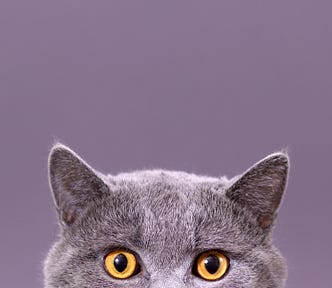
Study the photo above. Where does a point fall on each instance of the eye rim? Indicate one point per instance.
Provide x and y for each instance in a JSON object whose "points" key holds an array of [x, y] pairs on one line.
{"points": [[133, 272], [204, 254]]}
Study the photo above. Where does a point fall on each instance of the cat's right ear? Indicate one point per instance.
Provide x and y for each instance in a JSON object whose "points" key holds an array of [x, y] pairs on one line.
{"points": [[73, 182], [261, 187]]}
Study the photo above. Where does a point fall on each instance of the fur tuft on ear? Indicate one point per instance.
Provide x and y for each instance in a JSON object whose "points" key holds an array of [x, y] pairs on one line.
{"points": [[260, 188], [73, 182]]}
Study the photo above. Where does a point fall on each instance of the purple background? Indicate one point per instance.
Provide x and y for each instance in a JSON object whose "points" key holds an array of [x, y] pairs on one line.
{"points": [[204, 86]]}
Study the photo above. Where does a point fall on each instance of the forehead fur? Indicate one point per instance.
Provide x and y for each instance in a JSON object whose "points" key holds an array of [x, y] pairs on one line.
{"points": [[160, 210]]}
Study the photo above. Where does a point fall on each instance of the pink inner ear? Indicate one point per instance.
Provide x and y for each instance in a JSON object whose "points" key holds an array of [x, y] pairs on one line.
{"points": [[68, 216], [68, 209], [265, 221]]}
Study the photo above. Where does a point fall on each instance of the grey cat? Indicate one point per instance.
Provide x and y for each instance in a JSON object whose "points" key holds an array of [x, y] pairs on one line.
{"points": [[161, 229]]}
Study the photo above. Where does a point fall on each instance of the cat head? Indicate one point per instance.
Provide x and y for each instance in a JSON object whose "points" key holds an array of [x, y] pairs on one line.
{"points": [[159, 228]]}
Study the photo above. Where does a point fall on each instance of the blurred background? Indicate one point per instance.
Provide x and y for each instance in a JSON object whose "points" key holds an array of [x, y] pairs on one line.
{"points": [[209, 87]]}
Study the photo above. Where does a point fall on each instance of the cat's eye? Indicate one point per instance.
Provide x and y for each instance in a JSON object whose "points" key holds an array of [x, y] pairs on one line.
{"points": [[121, 264], [211, 265]]}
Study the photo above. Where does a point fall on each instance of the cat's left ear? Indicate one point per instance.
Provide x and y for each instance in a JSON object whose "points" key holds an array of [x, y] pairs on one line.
{"points": [[74, 183], [260, 188]]}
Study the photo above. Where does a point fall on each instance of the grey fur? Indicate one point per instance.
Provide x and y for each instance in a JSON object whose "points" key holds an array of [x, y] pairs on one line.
{"points": [[167, 218]]}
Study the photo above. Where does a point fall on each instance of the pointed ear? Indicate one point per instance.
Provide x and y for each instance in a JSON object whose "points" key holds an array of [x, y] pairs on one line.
{"points": [[73, 183], [260, 188]]}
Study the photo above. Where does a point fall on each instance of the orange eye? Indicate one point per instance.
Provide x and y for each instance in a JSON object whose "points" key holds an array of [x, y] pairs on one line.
{"points": [[211, 265], [121, 264]]}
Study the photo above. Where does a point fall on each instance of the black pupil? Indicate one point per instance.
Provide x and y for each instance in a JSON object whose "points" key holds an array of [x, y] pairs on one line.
{"points": [[212, 264], [120, 262]]}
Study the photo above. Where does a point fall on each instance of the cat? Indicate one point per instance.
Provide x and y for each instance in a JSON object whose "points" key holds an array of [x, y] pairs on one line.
{"points": [[158, 228]]}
